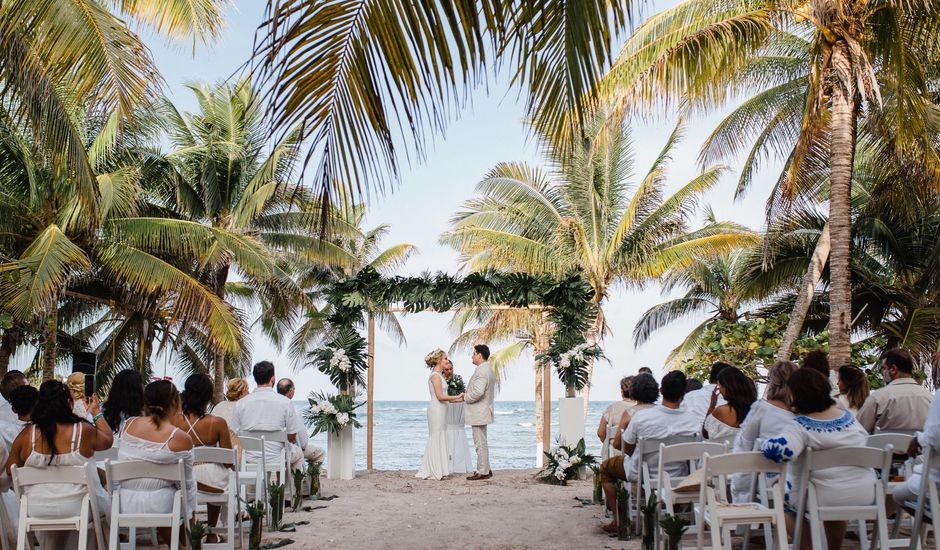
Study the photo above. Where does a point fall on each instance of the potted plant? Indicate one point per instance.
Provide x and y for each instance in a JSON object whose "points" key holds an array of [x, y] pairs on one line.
{"points": [[313, 471], [256, 513], [648, 526], [196, 532], [276, 500], [674, 527], [623, 513], [298, 500], [598, 487]]}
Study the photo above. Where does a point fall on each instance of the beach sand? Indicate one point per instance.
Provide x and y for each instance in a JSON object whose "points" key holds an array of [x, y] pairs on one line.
{"points": [[394, 510]]}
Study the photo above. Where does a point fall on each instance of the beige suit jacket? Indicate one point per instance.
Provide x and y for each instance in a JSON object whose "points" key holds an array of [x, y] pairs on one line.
{"points": [[479, 396]]}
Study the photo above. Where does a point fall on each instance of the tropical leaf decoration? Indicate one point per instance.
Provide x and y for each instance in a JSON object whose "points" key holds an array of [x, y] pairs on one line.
{"points": [[332, 413], [343, 359], [572, 364]]}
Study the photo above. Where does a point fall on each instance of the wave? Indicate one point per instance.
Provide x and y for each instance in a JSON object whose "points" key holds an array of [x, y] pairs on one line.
{"points": [[524, 424], [504, 413]]}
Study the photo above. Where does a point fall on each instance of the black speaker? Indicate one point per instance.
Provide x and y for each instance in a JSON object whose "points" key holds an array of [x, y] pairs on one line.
{"points": [[85, 362]]}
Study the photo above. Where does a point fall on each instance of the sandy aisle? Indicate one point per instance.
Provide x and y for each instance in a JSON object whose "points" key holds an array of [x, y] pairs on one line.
{"points": [[395, 510]]}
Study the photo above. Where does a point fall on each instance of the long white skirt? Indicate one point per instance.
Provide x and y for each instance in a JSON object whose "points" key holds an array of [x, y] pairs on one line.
{"points": [[460, 461]]}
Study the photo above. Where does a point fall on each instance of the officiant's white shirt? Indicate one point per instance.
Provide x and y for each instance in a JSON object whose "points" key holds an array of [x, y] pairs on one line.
{"points": [[265, 409]]}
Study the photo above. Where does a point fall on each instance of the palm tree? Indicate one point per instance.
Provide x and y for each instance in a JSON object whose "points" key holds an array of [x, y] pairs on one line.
{"points": [[872, 55], [716, 286], [232, 207], [356, 73], [582, 217], [361, 249]]}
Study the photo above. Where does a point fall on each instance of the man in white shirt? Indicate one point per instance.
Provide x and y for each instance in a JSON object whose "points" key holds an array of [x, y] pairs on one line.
{"points": [[10, 381], [664, 420], [286, 387], [697, 401], [901, 405], [928, 437], [265, 409], [22, 401]]}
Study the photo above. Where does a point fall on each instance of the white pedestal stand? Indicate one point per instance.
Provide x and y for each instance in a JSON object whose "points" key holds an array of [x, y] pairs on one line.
{"points": [[340, 455], [570, 420]]}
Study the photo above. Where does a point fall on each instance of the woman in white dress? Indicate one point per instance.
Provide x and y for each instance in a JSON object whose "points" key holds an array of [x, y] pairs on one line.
{"points": [[764, 420], [154, 438], [820, 424], [853, 388], [723, 422], [57, 437], [125, 400], [436, 457]]}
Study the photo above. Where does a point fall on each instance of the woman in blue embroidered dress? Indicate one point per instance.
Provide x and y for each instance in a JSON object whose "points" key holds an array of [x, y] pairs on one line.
{"points": [[820, 424]]}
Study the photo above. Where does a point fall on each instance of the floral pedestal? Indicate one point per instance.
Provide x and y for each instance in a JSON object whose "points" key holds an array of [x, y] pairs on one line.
{"points": [[570, 420], [340, 455]]}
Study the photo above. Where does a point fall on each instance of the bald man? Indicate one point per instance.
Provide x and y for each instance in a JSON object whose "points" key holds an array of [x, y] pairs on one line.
{"points": [[303, 449]]}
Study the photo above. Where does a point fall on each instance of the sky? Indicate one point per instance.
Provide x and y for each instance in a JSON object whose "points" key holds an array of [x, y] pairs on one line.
{"points": [[429, 193]]}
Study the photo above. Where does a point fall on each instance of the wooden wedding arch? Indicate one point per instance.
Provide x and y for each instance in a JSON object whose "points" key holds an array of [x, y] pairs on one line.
{"points": [[565, 302]]}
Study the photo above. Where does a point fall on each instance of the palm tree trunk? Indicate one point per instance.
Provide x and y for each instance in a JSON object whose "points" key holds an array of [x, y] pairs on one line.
{"points": [[50, 333], [540, 345], [805, 294], [218, 362], [592, 337], [841, 160], [8, 345]]}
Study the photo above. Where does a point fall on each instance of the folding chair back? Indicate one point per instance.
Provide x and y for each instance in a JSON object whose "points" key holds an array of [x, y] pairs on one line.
{"points": [[27, 476], [690, 453], [226, 499], [273, 463], [899, 441], [646, 451], [119, 472], [718, 514], [928, 502], [107, 454]]}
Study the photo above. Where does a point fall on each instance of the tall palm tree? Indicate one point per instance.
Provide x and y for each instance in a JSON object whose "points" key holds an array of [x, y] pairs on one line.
{"points": [[356, 74], [582, 216], [715, 286], [861, 55]]}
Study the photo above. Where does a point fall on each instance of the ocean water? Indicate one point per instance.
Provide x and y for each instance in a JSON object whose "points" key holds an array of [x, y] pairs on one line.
{"points": [[401, 432]]}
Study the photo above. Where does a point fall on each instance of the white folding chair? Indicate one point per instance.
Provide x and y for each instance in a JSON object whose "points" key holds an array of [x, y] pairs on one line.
{"points": [[119, 472], [810, 508], [107, 454], [608, 441], [226, 499], [648, 451], [719, 514], [76, 475], [278, 463], [685, 453], [928, 503]]}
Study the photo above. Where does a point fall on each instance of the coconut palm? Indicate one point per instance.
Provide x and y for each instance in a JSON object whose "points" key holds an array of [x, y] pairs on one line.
{"points": [[362, 248], [862, 55], [715, 286], [582, 216], [357, 74]]}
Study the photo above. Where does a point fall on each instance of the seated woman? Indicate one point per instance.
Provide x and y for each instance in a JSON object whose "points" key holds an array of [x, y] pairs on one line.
{"points": [[645, 391], [820, 424], [763, 421], [853, 388], [614, 413], [739, 392], [154, 438], [57, 437], [206, 430], [125, 400]]}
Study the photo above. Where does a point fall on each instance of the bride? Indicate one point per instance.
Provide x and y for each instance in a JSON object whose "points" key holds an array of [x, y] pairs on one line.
{"points": [[435, 453]]}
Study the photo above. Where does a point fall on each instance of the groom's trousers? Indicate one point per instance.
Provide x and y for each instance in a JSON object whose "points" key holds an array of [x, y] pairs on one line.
{"points": [[483, 450]]}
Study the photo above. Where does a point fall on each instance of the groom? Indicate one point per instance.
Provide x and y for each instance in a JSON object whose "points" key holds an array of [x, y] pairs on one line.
{"points": [[479, 408]]}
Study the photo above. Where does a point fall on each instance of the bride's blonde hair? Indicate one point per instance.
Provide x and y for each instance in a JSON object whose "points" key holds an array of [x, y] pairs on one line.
{"points": [[433, 358]]}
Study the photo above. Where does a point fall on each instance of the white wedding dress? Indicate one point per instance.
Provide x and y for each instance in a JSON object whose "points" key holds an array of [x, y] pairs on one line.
{"points": [[436, 458]]}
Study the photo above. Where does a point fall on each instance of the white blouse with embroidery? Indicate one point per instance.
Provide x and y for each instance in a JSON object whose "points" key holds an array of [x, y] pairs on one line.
{"points": [[840, 486]]}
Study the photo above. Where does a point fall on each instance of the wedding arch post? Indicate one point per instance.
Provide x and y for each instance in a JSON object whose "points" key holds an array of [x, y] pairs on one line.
{"points": [[370, 392]]}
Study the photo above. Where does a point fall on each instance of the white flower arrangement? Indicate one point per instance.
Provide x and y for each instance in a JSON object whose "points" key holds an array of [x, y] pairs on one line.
{"points": [[339, 359], [342, 418], [564, 463], [332, 413]]}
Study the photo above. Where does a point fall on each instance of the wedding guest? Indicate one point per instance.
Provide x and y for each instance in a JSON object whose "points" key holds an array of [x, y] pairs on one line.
{"points": [[901, 405], [739, 393], [286, 387], [817, 360], [22, 401], [237, 388], [645, 370], [154, 438], [853, 388], [692, 385], [265, 410], [57, 437], [614, 412], [929, 436], [76, 385], [206, 430], [697, 401], [125, 398], [820, 424], [645, 391], [764, 420], [664, 420], [10, 381]]}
